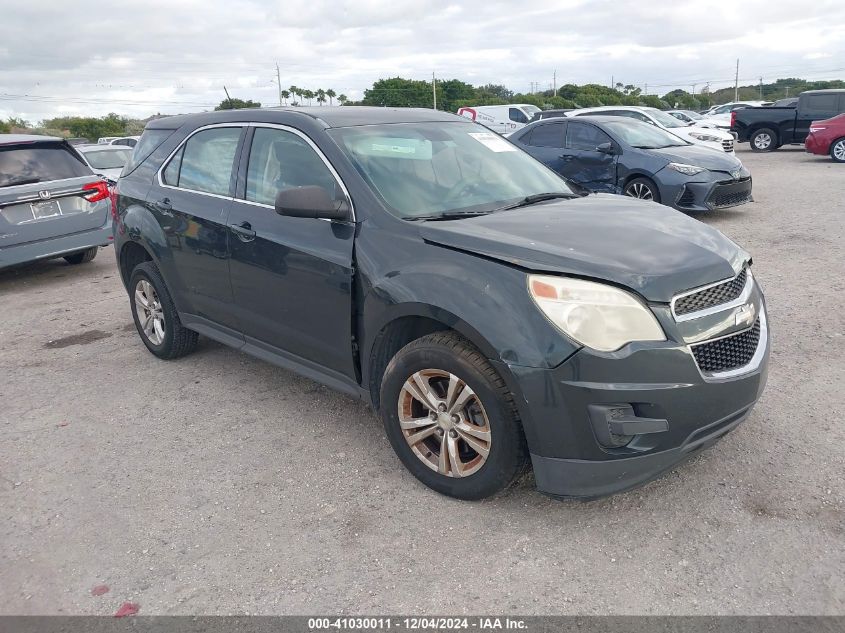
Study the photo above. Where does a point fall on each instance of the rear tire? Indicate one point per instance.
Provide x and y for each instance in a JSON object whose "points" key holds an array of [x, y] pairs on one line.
{"points": [[155, 315], [764, 140], [478, 413], [82, 258], [643, 189], [837, 150]]}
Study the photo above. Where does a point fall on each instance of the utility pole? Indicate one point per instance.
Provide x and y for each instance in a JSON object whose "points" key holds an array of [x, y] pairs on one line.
{"points": [[554, 82], [646, 90], [279, 81], [613, 82], [736, 82], [761, 88], [787, 91], [434, 89], [227, 93]]}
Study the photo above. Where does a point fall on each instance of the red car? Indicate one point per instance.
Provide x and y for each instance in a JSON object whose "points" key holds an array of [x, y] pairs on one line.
{"points": [[828, 137]]}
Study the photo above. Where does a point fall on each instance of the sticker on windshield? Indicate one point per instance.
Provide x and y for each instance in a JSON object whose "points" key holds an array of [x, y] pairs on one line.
{"points": [[493, 141]]}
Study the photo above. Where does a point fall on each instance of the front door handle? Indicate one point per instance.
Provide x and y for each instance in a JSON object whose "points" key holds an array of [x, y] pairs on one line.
{"points": [[243, 231], [566, 156]]}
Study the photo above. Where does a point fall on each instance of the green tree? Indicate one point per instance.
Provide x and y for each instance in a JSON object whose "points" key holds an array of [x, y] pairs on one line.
{"points": [[307, 94], [5, 128], [451, 91], [237, 104], [331, 94], [90, 128], [397, 92], [342, 99], [321, 96], [285, 96]]}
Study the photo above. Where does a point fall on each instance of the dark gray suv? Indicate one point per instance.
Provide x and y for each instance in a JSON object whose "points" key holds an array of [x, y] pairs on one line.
{"points": [[491, 315]]}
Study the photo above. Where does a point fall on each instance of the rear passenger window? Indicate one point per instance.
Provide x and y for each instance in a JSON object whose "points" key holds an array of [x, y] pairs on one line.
{"points": [[821, 104], [585, 137], [550, 135], [205, 162], [283, 160]]}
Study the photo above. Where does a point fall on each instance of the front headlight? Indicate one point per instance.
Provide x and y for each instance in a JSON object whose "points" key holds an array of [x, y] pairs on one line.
{"points": [[689, 170], [707, 138], [596, 315]]}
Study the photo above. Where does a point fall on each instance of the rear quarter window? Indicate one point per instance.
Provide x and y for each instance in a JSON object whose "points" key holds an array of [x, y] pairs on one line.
{"points": [[149, 142], [39, 162]]}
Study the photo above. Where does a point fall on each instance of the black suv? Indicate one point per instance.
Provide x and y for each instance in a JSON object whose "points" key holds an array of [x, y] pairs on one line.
{"points": [[411, 258]]}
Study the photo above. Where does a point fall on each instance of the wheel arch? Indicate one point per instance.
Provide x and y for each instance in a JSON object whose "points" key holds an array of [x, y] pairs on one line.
{"points": [[407, 323]]}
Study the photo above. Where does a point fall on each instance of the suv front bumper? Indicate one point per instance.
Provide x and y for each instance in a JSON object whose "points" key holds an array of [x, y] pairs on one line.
{"points": [[656, 382]]}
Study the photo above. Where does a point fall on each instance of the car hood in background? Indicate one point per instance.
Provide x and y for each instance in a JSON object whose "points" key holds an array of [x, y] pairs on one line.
{"points": [[647, 247], [699, 156], [712, 131]]}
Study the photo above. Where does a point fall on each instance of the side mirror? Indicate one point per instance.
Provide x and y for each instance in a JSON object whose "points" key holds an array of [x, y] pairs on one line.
{"points": [[310, 202], [606, 148]]}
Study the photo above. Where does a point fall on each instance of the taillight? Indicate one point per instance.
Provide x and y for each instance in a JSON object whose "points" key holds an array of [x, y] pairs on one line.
{"points": [[113, 197], [99, 191], [733, 118]]}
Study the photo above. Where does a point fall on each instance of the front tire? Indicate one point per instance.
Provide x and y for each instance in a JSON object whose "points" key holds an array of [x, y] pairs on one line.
{"points": [[82, 258], [155, 315], [642, 188], [764, 140], [837, 150], [451, 419]]}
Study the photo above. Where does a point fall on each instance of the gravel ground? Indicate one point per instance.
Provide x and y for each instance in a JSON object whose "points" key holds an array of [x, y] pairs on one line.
{"points": [[219, 484]]}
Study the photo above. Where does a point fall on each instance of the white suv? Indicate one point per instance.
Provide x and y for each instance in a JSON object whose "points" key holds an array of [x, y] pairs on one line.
{"points": [[705, 136]]}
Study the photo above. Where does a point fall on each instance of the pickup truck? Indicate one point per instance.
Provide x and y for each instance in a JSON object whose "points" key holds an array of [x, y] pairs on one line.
{"points": [[769, 127]]}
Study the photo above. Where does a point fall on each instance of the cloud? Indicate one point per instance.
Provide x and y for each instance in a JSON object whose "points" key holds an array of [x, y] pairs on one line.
{"points": [[172, 56]]}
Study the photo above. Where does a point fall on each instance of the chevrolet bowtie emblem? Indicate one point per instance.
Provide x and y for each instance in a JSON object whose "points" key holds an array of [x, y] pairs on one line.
{"points": [[746, 314]]}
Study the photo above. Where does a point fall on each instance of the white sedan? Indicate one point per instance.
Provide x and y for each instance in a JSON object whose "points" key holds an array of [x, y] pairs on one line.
{"points": [[106, 160], [713, 138]]}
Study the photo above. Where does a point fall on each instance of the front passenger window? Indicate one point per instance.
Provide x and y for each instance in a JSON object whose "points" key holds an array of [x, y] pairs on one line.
{"points": [[279, 160], [517, 115]]}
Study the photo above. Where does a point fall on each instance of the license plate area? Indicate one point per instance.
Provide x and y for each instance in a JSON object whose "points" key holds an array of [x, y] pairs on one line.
{"points": [[46, 209]]}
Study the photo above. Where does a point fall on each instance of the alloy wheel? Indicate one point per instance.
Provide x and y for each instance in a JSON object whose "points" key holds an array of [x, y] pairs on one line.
{"points": [[762, 141], [639, 190], [149, 311], [839, 150], [444, 423]]}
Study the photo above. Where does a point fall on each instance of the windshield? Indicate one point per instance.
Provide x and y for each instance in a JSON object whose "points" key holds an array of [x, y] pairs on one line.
{"points": [[693, 115], [111, 159], [663, 118], [643, 135], [425, 169], [531, 109]]}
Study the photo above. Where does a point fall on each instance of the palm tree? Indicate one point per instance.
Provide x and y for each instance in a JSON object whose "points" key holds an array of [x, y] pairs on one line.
{"points": [[308, 94], [331, 94], [342, 99], [321, 96], [285, 95]]}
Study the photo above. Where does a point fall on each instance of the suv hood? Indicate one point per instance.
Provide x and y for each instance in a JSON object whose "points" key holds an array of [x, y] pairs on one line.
{"points": [[649, 248]]}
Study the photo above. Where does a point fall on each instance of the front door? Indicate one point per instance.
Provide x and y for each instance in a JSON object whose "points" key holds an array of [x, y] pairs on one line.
{"points": [[190, 199], [291, 277], [589, 167]]}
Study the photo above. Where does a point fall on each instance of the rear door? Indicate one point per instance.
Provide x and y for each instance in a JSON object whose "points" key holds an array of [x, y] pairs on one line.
{"points": [[291, 277], [589, 167], [47, 191], [545, 143], [191, 197]]}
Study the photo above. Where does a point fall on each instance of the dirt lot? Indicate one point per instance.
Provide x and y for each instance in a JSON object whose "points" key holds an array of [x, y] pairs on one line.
{"points": [[221, 484]]}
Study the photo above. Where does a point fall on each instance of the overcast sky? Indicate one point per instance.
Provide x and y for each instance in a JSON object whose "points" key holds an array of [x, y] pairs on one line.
{"points": [[169, 56]]}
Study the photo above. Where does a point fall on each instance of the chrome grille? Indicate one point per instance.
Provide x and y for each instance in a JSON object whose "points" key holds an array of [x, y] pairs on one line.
{"points": [[712, 296], [728, 145]]}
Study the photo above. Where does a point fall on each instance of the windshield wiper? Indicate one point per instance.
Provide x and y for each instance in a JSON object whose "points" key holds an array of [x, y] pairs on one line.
{"points": [[539, 197], [25, 181], [446, 215]]}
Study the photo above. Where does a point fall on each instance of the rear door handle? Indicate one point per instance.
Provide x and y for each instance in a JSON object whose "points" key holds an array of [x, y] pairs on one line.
{"points": [[243, 231], [567, 156]]}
